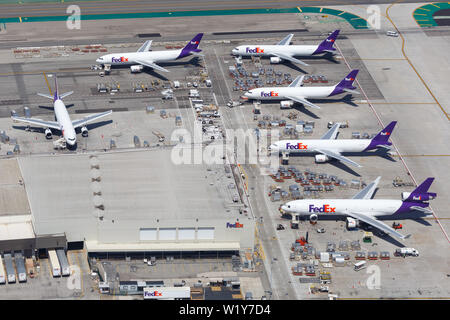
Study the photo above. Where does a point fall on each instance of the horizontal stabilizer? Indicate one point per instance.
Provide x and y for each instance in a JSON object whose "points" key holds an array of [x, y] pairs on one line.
{"points": [[351, 91], [65, 94], [424, 210], [45, 95]]}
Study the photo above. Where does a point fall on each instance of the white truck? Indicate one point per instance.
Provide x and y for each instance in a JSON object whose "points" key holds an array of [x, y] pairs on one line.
{"points": [[403, 252], [54, 263]]}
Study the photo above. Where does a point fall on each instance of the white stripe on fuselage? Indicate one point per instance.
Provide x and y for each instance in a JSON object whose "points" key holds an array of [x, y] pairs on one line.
{"points": [[270, 50], [131, 57], [280, 93], [344, 145], [336, 207], [63, 119]]}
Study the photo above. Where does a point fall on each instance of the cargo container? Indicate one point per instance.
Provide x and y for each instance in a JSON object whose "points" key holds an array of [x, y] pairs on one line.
{"points": [[65, 268], [20, 266], [30, 267], [2, 272], [10, 268], [54, 263]]}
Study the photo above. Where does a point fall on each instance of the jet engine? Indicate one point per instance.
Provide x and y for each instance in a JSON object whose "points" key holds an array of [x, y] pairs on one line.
{"points": [[136, 68], [313, 218], [321, 158], [48, 133], [286, 103], [275, 60], [84, 131], [351, 223]]}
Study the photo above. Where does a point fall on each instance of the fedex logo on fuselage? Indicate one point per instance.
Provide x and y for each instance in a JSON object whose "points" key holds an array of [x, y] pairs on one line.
{"points": [[235, 225], [121, 59], [325, 208], [153, 294], [255, 50], [297, 146], [269, 94]]}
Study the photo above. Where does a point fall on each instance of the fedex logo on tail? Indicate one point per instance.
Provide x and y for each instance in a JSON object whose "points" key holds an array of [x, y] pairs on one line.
{"points": [[325, 208], [297, 146], [235, 225], [121, 59], [194, 42], [419, 198], [349, 79], [255, 50], [269, 94], [385, 133]]}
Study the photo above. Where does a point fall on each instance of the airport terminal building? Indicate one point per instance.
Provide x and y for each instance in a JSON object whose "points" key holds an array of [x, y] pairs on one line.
{"points": [[131, 201]]}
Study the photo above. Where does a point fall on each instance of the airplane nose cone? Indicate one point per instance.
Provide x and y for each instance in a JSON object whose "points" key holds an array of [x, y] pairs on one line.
{"points": [[272, 148], [98, 60]]}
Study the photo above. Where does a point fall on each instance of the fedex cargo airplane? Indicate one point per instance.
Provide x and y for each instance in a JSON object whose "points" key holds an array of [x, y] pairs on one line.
{"points": [[295, 92], [63, 122], [328, 147], [362, 208], [283, 51], [144, 57]]}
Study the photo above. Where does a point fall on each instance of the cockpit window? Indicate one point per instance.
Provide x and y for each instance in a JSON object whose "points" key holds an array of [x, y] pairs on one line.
{"points": [[71, 139]]}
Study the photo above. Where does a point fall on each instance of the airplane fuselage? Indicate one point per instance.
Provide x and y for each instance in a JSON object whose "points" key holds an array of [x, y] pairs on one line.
{"points": [[280, 93], [130, 58], [340, 207], [270, 50], [63, 119], [308, 146]]}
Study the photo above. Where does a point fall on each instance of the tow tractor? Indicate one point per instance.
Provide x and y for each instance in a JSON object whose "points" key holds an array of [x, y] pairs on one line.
{"points": [[397, 226]]}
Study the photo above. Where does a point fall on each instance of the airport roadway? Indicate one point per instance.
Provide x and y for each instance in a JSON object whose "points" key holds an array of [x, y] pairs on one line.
{"points": [[120, 7]]}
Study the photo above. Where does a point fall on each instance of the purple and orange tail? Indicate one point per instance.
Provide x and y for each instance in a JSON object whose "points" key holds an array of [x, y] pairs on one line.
{"points": [[327, 44], [421, 194], [192, 46]]}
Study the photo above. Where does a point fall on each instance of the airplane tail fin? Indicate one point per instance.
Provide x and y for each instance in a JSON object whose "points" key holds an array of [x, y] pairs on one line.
{"points": [[421, 193], [56, 96], [327, 44], [346, 84], [192, 46], [382, 138]]}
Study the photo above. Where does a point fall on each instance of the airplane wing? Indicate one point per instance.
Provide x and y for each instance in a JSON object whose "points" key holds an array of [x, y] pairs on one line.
{"points": [[377, 224], [146, 46], [86, 120], [337, 156], [38, 122], [150, 64], [290, 58], [298, 82], [286, 40], [332, 133], [368, 191], [303, 101]]}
